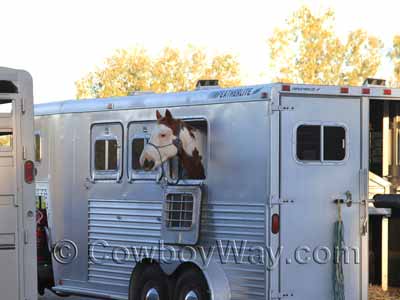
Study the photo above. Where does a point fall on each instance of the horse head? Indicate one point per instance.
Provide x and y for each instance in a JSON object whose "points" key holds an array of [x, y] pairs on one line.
{"points": [[173, 138]]}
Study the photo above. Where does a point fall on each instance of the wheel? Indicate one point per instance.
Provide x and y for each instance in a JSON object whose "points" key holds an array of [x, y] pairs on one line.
{"points": [[149, 283], [191, 285]]}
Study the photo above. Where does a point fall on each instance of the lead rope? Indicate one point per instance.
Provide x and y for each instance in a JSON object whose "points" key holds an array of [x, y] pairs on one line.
{"points": [[162, 162], [338, 278]]}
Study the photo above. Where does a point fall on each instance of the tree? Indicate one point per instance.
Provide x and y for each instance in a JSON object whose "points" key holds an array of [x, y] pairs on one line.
{"points": [[173, 70], [5, 140], [394, 55], [307, 50]]}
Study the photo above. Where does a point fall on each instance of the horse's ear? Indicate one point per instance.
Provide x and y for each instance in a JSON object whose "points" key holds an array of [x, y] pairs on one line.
{"points": [[158, 115], [168, 115]]}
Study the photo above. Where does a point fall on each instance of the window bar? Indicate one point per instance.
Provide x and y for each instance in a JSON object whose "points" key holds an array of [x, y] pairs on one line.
{"points": [[106, 158], [321, 143]]}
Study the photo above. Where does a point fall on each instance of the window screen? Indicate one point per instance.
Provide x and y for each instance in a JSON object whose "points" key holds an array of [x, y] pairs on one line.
{"points": [[309, 146], [334, 143], [309, 142], [179, 211], [181, 215], [106, 155]]}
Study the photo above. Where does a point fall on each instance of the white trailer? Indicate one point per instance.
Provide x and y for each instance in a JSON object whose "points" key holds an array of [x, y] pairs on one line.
{"points": [[17, 192], [283, 163]]}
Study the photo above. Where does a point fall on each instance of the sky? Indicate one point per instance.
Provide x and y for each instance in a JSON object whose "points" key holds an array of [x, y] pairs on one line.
{"points": [[59, 41]]}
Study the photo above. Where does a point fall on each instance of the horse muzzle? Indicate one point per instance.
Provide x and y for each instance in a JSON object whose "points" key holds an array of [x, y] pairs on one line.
{"points": [[148, 165]]}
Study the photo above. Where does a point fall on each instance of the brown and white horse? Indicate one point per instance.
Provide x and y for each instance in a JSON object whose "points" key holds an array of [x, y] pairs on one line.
{"points": [[170, 138]]}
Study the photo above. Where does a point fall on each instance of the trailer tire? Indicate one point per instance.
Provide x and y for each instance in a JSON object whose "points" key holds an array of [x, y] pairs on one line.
{"points": [[150, 279], [191, 284]]}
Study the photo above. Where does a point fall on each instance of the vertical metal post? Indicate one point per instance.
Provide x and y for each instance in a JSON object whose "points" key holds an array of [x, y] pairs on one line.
{"points": [[385, 252], [385, 140]]}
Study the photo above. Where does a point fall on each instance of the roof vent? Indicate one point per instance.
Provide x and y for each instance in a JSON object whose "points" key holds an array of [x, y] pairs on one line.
{"points": [[374, 82], [207, 84]]}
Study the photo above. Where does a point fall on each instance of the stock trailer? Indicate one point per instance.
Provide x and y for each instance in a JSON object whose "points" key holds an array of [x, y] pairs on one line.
{"points": [[280, 210]]}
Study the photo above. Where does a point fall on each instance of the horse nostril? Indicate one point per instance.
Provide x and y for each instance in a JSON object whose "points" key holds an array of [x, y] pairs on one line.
{"points": [[148, 164]]}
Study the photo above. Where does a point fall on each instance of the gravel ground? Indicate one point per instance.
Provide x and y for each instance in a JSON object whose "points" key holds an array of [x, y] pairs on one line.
{"points": [[376, 293]]}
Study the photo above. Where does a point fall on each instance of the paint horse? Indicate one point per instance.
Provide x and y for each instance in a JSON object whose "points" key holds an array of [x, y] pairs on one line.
{"points": [[170, 138]]}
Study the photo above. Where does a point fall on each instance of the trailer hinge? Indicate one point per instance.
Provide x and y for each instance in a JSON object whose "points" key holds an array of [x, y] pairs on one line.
{"points": [[280, 295], [280, 201], [22, 106], [282, 108], [26, 237], [23, 152]]}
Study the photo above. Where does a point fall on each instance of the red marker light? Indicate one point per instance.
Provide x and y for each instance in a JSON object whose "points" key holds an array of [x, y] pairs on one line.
{"points": [[344, 90], [387, 92], [286, 88], [366, 91], [29, 169], [275, 224]]}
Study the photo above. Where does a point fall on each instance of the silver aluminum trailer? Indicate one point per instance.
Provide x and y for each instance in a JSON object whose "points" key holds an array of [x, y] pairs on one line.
{"points": [[276, 158], [17, 192]]}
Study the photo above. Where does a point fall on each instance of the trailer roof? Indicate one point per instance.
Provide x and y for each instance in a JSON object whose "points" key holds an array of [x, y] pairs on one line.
{"points": [[208, 96]]}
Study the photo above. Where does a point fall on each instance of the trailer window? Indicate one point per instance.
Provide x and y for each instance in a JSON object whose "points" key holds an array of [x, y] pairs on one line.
{"points": [[309, 142], [137, 149], [139, 135], [334, 143], [6, 140], [174, 167], [106, 151], [106, 155], [320, 143]]}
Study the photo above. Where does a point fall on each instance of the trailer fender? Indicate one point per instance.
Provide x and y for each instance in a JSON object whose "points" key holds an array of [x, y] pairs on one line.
{"points": [[213, 273]]}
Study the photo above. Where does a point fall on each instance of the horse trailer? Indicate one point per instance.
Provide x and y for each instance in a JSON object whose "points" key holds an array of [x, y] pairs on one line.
{"points": [[17, 191], [257, 192]]}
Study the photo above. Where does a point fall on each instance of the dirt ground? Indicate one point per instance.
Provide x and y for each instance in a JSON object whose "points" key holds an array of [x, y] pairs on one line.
{"points": [[376, 293]]}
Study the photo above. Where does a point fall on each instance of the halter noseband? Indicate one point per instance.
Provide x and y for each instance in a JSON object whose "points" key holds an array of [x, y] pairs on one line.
{"points": [[177, 142]]}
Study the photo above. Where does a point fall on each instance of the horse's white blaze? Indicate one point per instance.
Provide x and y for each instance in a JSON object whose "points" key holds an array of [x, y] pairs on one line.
{"points": [[160, 136]]}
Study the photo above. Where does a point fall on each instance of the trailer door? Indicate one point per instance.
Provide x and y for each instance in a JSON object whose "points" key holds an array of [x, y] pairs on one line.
{"points": [[320, 162], [17, 202], [8, 204]]}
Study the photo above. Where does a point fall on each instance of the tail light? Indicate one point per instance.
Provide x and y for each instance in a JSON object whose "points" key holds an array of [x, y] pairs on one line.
{"points": [[29, 169], [275, 224], [286, 88]]}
